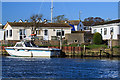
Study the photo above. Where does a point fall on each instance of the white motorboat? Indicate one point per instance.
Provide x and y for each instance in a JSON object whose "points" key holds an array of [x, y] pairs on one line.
{"points": [[29, 49]]}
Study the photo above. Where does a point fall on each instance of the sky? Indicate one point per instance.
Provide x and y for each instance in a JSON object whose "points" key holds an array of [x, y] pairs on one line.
{"points": [[12, 11]]}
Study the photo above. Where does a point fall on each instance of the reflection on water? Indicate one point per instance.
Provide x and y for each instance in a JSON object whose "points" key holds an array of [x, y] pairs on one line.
{"points": [[21, 67]]}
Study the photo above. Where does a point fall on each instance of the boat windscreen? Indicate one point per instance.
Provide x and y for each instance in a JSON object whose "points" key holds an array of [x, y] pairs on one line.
{"points": [[27, 44], [33, 44], [19, 45]]}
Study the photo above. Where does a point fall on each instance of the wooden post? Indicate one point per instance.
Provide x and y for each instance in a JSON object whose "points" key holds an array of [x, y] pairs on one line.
{"points": [[111, 48], [73, 51], [1, 48], [100, 52], [61, 40], [84, 50]]}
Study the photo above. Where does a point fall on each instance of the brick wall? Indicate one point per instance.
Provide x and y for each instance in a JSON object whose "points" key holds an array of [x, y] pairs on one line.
{"points": [[115, 42], [37, 42], [43, 42]]}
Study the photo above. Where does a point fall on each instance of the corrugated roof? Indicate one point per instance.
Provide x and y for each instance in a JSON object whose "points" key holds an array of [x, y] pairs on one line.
{"points": [[29, 24]]}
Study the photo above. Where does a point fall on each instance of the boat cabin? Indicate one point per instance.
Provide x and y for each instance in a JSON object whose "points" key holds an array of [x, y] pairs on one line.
{"points": [[25, 44]]}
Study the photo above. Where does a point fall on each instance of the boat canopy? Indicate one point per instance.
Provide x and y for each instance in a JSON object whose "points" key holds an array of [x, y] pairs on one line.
{"points": [[25, 44]]}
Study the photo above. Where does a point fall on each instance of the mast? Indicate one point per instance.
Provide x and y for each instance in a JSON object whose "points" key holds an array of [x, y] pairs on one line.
{"points": [[51, 10], [79, 15]]}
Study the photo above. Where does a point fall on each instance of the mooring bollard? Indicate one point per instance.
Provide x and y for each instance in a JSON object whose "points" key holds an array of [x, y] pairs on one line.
{"points": [[84, 50], [100, 52]]}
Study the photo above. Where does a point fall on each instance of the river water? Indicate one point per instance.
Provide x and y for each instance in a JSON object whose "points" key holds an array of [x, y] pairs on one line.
{"points": [[58, 68]]}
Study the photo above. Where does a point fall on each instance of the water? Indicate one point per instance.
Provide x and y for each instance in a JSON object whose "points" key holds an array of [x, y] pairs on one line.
{"points": [[59, 68]]}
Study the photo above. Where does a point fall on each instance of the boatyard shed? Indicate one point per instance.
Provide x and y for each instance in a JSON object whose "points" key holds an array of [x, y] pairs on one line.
{"points": [[79, 37]]}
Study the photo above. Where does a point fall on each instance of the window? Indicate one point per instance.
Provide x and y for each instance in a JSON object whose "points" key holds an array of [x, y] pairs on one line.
{"points": [[76, 41], [22, 33], [105, 31], [38, 32], [111, 30], [7, 33], [95, 30], [101, 30], [62, 33], [53, 29], [46, 32], [59, 33], [10, 33]]}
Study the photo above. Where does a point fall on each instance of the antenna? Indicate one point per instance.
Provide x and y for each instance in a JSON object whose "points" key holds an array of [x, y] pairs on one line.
{"points": [[80, 15], [51, 10]]}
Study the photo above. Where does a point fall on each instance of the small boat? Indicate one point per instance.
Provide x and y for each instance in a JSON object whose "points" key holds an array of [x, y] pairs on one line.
{"points": [[29, 49]]}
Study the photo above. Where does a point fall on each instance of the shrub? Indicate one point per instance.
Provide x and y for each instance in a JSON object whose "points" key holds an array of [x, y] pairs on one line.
{"points": [[97, 38]]}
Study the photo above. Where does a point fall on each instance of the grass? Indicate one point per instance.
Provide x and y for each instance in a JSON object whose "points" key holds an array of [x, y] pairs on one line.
{"points": [[116, 47], [93, 46], [6, 45]]}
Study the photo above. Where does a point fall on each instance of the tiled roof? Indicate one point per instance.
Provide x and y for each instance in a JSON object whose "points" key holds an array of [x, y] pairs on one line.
{"points": [[109, 22], [30, 24], [74, 22]]}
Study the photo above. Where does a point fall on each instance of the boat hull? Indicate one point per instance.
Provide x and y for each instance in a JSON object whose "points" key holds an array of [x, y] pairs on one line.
{"points": [[32, 53]]}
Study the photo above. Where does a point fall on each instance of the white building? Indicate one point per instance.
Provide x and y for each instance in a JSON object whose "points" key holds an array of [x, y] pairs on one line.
{"points": [[1, 32], [107, 29], [45, 31]]}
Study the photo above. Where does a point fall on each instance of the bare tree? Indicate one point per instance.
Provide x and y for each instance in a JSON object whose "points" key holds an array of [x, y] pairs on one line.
{"points": [[35, 19], [90, 21], [59, 19]]}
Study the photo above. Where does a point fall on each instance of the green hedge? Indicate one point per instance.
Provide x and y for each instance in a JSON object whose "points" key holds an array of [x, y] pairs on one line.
{"points": [[97, 38]]}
